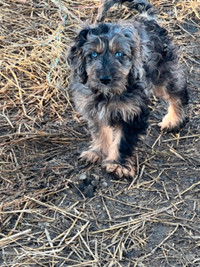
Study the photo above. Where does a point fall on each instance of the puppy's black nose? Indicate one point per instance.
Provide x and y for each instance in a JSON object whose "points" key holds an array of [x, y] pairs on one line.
{"points": [[105, 79]]}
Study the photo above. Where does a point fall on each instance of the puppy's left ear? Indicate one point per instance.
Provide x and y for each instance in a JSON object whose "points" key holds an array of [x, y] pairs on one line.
{"points": [[137, 63], [137, 53], [75, 56]]}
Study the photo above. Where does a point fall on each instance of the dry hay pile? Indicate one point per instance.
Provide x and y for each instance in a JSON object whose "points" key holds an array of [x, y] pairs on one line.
{"points": [[54, 210]]}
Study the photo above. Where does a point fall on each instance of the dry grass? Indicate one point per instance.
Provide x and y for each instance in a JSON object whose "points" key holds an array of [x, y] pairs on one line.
{"points": [[54, 211]]}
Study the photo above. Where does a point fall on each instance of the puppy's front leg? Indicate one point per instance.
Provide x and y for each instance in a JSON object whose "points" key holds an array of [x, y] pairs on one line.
{"points": [[121, 160], [101, 142]]}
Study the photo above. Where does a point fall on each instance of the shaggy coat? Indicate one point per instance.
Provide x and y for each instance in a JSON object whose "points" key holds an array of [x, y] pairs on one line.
{"points": [[115, 68]]}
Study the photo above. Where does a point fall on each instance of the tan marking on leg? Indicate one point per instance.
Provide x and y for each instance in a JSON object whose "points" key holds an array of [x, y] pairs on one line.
{"points": [[110, 163], [160, 91], [103, 140], [174, 117], [113, 151], [100, 145]]}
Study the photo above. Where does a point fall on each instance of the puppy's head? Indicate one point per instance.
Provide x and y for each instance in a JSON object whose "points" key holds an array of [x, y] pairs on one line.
{"points": [[104, 57]]}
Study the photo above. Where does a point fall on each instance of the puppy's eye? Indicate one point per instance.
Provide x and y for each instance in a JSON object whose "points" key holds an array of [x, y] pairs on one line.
{"points": [[118, 54], [94, 55]]}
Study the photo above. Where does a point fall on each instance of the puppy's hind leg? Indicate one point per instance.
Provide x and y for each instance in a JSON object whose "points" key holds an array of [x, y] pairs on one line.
{"points": [[176, 95]]}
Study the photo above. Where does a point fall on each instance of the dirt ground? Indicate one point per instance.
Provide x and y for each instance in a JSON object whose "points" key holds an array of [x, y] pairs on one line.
{"points": [[55, 210]]}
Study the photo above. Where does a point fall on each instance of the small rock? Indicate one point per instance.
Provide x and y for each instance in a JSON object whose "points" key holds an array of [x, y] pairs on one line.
{"points": [[105, 184], [83, 176]]}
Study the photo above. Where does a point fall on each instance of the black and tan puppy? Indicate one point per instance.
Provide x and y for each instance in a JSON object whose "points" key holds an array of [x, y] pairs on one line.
{"points": [[115, 68]]}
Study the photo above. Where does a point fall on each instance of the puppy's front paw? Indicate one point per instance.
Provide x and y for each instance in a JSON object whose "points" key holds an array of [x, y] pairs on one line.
{"points": [[91, 156], [119, 170]]}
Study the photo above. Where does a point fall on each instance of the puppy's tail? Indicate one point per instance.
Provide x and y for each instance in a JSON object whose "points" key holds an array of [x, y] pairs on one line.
{"points": [[140, 5]]}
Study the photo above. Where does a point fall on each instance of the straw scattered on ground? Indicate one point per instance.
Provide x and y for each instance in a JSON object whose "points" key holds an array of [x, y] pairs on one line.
{"points": [[54, 210]]}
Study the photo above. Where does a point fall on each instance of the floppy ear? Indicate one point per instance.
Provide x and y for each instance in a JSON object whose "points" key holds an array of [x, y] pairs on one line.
{"points": [[137, 53], [138, 57], [137, 70], [75, 56]]}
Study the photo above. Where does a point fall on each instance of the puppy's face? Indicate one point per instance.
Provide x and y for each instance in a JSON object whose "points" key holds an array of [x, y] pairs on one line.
{"points": [[103, 57], [108, 63]]}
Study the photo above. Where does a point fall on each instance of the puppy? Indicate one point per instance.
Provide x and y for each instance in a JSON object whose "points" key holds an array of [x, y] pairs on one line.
{"points": [[115, 67]]}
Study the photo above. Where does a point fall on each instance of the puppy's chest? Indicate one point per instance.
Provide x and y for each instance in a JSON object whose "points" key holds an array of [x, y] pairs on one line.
{"points": [[112, 112]]}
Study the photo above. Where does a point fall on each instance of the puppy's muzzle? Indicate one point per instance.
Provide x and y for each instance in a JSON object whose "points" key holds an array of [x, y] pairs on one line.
{"points": [[105, 79]]}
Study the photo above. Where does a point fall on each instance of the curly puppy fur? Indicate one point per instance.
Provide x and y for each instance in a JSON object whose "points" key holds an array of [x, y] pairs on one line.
{"points": [[115, 68]]}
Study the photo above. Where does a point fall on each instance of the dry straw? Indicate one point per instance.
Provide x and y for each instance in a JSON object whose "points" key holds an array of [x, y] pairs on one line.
{"points": [[55, 211]]}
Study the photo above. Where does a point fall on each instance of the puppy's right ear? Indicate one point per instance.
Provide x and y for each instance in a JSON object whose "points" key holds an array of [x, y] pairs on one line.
{"points": [[76, 57]]}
